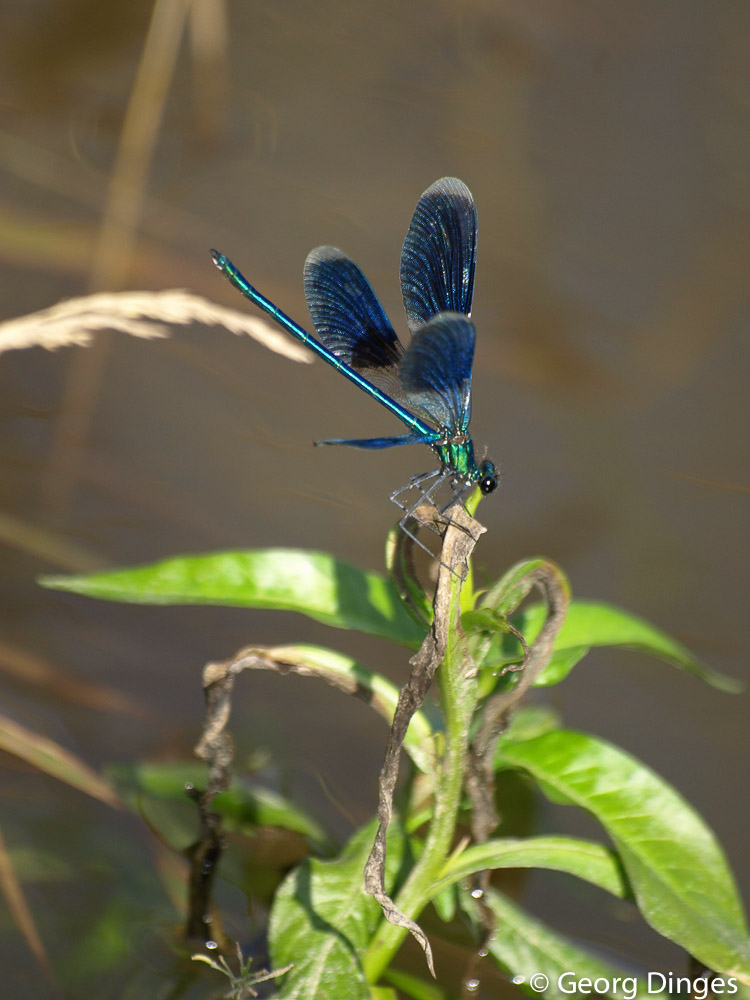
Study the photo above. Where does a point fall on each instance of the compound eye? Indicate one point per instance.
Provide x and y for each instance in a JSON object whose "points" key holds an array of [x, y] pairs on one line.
{"points": [[487, 484]]}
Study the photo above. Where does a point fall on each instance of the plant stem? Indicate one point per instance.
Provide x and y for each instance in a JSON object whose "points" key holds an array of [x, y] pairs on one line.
{"points": [[456, 678]]}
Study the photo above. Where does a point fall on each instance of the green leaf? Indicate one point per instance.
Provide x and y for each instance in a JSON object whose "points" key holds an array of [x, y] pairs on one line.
{"points": [[310, 583], [244, 807], [483, 620], [322, 920], [589, 623], [513, 586], [560, 664], [532, 720], [676, 868], [444, 902], [492, 643], [415, 987], [524, 947], [582, 858]]}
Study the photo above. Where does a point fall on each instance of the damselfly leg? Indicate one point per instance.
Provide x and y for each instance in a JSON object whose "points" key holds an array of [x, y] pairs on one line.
{"points": [[417, 483], [427, 485]]}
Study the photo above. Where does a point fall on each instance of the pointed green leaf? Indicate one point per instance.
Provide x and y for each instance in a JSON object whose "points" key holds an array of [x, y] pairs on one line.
{"points": [[310, 583], [676, 868], [322, 919], [582, 858], [589, 623], [526, 948], [560, 664]]}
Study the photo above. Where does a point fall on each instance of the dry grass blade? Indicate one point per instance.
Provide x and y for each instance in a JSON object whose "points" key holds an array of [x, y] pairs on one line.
{"points": [[12, 891], [54, 760], [140, 131], [148, 315], [47, 545], [56, 683], [208, 29]]}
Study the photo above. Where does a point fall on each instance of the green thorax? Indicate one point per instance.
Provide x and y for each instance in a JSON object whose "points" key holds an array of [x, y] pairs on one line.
{"points": [[458, 454]]}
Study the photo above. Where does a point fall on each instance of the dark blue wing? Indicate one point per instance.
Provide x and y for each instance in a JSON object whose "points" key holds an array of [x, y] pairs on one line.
{"points": [[439, 255], [377, 443], [347, 316], [435, 372]]}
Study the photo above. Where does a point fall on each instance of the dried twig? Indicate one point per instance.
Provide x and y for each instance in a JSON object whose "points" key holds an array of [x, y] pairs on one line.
{"points": [[216, 749]]}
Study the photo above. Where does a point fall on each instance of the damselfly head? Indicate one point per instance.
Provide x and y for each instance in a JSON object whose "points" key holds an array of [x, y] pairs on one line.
{"points": [[488, 477]]}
